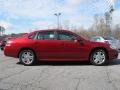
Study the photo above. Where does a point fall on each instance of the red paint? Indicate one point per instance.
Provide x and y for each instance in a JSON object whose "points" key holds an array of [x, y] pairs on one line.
{"points": [[57, 50]]}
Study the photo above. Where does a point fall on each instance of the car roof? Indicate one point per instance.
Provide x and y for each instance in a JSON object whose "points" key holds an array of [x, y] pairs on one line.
{"points": [[51, 30], [57, 30]]}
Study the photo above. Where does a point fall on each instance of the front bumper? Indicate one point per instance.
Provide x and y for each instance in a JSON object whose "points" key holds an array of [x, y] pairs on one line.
{"points": [[113, 54]]}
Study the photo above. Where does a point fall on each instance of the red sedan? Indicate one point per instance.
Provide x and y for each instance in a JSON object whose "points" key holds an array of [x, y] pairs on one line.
{"points": [[58, 45]]}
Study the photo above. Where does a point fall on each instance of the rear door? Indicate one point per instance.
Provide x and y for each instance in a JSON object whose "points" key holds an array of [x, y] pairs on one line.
{"points": [[47, 46]]}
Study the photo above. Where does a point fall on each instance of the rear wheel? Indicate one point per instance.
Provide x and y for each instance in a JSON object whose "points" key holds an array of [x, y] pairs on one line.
{"points": [[27, 57], [2, 48], [99, 57]]}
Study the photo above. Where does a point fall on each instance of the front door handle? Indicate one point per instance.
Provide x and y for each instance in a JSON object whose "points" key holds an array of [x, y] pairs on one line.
{"points": [[62, 43]]}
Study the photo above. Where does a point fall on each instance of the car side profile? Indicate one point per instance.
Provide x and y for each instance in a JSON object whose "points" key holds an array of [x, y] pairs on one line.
{"points": [[58, 45]]}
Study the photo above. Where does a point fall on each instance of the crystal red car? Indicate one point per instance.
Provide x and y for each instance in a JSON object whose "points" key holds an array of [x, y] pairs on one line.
{"points": [[58, 45]]}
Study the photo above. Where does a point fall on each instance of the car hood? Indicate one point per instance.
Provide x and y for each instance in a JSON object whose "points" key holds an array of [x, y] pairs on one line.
{"points": [[98, 44]]}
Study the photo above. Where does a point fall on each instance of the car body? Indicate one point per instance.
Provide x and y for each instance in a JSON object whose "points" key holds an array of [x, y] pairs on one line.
{"points": [[58, 45], [108, 39]]}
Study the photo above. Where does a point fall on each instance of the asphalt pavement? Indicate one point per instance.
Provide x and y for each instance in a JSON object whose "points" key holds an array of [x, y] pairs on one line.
{"points": [[58, 75]]}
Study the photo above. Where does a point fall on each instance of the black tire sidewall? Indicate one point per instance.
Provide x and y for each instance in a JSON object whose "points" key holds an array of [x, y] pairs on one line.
{"points": [[21, 59], [92, 61], [1, 49]]}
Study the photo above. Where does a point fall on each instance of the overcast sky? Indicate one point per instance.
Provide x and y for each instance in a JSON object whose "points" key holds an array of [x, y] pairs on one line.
{"points": [[26, 15]]}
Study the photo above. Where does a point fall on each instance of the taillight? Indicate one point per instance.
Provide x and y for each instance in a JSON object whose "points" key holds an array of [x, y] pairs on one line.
{"points": [[8, 43]]}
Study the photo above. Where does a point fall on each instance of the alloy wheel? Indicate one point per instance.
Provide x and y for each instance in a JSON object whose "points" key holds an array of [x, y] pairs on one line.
{"points": [[27, 57], [98, 57]]}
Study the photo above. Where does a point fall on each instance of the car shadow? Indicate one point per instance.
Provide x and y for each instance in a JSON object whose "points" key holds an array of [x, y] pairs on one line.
{"points": [[59, 63], [69, 63], [115, 62]]}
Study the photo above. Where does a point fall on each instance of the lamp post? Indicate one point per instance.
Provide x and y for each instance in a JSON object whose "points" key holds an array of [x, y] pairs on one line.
{"points": [[58, 19]]}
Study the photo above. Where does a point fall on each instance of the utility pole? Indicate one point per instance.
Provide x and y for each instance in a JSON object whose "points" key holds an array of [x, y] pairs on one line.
{"points": [[58, 19], [96, 21], [108, 16]]}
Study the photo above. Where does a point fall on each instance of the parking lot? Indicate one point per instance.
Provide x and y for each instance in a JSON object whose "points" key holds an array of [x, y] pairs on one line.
{"points": [[58, 76]]}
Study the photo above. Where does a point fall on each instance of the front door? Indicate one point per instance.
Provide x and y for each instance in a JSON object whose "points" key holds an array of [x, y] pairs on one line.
{"points": [[70, 47]]}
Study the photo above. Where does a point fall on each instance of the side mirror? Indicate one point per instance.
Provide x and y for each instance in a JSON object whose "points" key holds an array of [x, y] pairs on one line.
{"points": [[78, 40]]}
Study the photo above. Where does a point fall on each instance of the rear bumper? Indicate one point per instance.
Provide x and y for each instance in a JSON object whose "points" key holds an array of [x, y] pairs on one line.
{"points": [[11, 52]]}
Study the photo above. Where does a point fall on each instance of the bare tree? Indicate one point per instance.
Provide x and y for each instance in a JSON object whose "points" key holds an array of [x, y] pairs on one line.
{"points": [[2, 30]]}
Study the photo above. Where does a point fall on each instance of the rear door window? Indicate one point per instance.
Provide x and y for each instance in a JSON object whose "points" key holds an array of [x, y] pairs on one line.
{"points": [[48, 35]]}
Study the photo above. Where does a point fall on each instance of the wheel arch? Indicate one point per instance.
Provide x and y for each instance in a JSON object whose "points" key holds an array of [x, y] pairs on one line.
{"points": [[26, 48], [106, 51]]}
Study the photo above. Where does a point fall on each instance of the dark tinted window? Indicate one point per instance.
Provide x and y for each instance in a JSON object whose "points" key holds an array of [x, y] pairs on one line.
{"points": [[46, 35], [66, 36]]}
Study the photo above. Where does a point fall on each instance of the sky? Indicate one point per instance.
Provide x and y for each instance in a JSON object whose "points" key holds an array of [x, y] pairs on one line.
{"points": [[19, 16]]}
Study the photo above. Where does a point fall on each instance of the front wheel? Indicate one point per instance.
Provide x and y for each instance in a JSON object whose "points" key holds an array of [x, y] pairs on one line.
{"points": [[27, 57], [99, 57]]}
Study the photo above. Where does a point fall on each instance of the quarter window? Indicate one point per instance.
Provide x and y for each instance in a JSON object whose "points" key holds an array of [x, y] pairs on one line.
{"points": [[32, 36]]}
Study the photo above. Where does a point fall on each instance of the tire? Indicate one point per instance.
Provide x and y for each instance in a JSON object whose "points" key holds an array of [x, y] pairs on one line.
{"points": [[1, 48], [27, 57], [99, 57]]}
